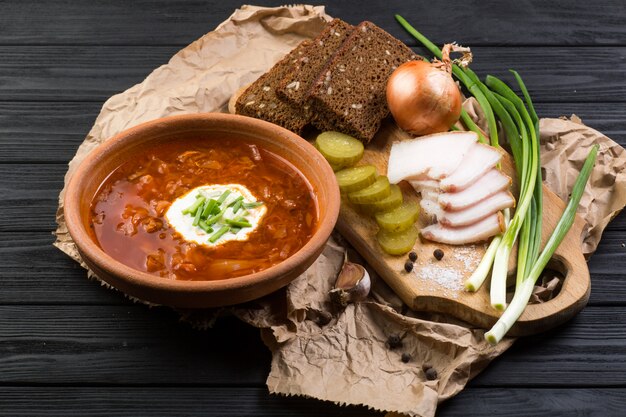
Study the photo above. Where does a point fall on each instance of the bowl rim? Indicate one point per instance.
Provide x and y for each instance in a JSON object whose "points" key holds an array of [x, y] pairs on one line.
{"points": [[89, 249]]}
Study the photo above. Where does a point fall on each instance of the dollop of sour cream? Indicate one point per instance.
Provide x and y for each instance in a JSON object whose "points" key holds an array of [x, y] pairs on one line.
{"points": [[183, 223]]}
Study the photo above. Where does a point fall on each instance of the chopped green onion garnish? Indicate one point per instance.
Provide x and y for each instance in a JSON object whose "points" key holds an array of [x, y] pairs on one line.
{"points": [[219, 234], [202, 224], [198, 215], [237, 206], [253, 204], [240, 223], [235, 229], [232, 203], [208, 209], [223, 197], [215, 218], [192, 208]]}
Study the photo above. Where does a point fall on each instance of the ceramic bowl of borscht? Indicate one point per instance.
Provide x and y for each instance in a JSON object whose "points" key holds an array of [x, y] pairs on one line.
{"points": [[201, 210]]}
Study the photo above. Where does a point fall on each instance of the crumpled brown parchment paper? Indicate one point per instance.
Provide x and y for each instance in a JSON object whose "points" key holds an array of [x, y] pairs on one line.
{"points": [[319, 351]]}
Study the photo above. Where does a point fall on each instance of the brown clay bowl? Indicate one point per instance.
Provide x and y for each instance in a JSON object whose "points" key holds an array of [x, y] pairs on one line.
{"points": [[198, 294]]}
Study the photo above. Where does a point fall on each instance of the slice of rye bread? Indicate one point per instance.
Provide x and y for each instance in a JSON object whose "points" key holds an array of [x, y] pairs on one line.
{"points": [[349, 94], [259, 100], [295, 87]]}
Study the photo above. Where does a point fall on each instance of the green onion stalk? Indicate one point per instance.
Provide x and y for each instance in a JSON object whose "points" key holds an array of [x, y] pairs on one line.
{"points": [[535, 220], [527, 186], [525, 289], [478, 277]]}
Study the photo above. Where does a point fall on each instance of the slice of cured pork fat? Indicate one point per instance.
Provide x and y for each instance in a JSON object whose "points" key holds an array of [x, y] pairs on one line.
{"points": [[489, 226], [477, 162], [486, 186], [478, 211], [428, 157], [462, 191]]}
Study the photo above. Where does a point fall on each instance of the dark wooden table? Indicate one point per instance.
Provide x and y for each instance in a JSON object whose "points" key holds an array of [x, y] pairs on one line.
{"points": [[71, 347]]}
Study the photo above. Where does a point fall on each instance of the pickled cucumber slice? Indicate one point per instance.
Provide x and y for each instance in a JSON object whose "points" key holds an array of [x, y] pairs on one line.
{"points": [[339, 149], [393, 200], [357, 178], [400, 218], [336, 167], [397, 243], [379, 190]]}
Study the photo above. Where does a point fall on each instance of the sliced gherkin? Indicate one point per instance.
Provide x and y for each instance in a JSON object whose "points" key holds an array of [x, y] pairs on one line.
{"points": [[397, 243], [400, 218], [357, 178], [393, 200], [379, 190], [339, 149]]}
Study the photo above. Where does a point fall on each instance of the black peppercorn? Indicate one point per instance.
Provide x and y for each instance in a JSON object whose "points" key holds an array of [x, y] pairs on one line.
{"points": [[405, 357], [429, 371], [413, 256], [408, 266], [394, 341], [323, 318], [438, 254]]}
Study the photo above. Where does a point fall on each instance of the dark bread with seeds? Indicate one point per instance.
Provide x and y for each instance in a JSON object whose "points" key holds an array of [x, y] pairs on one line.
{"points": [[349, 94], [295, 87], [259, 99]]}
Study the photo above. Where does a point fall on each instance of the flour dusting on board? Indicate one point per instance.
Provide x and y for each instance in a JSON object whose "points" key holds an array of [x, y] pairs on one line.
{"points": [[450, 278]]}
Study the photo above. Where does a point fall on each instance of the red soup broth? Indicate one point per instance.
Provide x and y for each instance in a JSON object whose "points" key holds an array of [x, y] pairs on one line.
{"points": [[128, 212]]}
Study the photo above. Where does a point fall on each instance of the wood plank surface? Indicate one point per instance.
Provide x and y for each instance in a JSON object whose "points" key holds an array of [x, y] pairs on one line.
{"points": [[93, 73], [70, 347], [168, 401], [134, 345], [29, 195], [490, 22], [125, 345], [35, 132], [222, 401]]}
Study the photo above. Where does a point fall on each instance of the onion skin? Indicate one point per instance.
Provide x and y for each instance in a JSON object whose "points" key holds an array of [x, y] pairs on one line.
{"points": [[423, 98]]}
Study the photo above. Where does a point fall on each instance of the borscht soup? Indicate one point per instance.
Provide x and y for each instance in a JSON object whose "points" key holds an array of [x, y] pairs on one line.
{"points": [[203, 209]]}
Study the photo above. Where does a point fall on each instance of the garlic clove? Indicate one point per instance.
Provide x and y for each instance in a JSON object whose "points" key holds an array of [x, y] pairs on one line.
{"points": [[353, 284]]}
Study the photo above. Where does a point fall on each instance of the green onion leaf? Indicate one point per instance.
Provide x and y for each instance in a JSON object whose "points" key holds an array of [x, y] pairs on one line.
{"points": [[253, 204], [235, 201], [239, 223], [199, 211], [194, 207], [208, 209], [218, 234], [221, 199], [236, 207], [202, 224]]}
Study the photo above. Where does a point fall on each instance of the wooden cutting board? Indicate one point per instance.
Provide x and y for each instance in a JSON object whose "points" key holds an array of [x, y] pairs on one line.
{"points": [[437, 286]]}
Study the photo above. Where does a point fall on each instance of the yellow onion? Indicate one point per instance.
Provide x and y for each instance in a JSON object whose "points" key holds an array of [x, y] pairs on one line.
{"points": [[423, 98]]}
